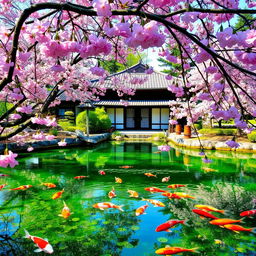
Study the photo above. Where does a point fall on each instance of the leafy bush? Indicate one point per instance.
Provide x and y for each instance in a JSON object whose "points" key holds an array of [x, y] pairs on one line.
{"points": [[252, 136], [218, 131], [70, 116], [53, 132], [66, 125], [99, 120]]}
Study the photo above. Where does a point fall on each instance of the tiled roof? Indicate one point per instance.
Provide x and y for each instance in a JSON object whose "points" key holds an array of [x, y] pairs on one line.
{"points": [[154, 81], [132, 103]]}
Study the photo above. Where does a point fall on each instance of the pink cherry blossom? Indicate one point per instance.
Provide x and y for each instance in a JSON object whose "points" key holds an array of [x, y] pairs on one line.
{"points": [[29, 149], [8, 159], [232, 144], [62, 143], [102, 7], [25, 109], [164, 148]]}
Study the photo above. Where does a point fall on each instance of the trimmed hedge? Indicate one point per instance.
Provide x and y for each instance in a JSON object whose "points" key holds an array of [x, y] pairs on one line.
{"points": [[252, 136], [99, 121], [218, 131]]}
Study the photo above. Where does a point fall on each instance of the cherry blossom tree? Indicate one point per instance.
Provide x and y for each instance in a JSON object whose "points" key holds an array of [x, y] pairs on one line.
{"points": [[53, 48]]}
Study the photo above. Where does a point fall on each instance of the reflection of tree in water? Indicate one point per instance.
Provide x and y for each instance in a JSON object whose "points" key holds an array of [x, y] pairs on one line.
{"points": [[234, 199]]}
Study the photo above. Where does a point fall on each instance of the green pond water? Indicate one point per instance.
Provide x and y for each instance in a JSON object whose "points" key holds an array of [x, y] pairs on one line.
{"points": [[92, 232]]}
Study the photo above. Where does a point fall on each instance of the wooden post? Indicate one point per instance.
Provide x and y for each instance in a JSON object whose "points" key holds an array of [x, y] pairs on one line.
{"points": [[87, 122]]}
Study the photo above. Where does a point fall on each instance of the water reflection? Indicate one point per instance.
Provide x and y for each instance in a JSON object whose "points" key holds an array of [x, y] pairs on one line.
{"points": [[90, 231]]}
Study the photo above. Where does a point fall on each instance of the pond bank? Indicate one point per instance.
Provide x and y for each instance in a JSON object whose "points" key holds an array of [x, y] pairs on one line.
{"points": [[210, 144], [75, 140]]}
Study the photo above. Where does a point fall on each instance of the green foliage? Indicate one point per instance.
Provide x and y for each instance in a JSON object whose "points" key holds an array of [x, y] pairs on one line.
{"points": [[4, 106], [99, 120], [252, 136], [67, 125], [218, 131], [244, 22], [53, 132], [70, 116]]}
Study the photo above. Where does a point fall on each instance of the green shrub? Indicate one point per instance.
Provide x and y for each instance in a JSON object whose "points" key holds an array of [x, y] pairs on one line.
{"points": [[218, 131], [66, 125], [53, 132], [70, 116], [252, 136], [99, 120]]}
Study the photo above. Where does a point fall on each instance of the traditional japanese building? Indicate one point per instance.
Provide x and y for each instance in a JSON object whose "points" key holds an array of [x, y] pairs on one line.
{"points": [[148, 109]]}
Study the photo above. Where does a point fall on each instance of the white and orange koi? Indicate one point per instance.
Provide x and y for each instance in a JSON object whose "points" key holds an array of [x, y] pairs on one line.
{"points": [[24, 187], [42, 244], [106, 205], [65, 213], [148, 174], [156, 203], [112, 193], [166, 179], [141, 210]]}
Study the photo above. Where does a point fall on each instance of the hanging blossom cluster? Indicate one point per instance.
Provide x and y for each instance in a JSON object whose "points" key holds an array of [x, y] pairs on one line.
{"points": [[8, 159], [58, 55]]}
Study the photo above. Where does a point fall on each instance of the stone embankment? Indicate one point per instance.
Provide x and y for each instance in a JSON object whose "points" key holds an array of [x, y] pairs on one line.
{"points": [[210, 144]]}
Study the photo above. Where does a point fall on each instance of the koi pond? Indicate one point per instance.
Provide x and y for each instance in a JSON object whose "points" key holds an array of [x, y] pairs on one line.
{"points": [[228, 183]]}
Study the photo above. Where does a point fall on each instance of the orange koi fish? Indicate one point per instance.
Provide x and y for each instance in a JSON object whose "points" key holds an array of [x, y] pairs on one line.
{"points": [[133, 193], [148, 174], [173, 186], [65, 213], [209, 208], [49, 185], [107, 205], [184, 195], [102, 173], [157, 152], [156, 203], [248, 213], [112, 193], [238, 228], [2, 186], [169, 224], [80, 177], [171, 195], [42, 244], [154, 190], [24, 187], [173, 250], [57, 194], [141, 210], [207, 169], [3, 175], [118, 180], [222, 222], [202, 214], [126, 166], [166, 179]]}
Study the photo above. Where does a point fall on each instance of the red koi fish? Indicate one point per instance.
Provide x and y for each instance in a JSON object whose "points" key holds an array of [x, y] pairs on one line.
{"points": [[166, 179], [141, 210], [203, 214], [24, 187], [49, 185], [173, 186], [169, 224], [238, 228], [3, 175], [148, 174], [65, 213], [248, 213], [80, 177], [57, 194], [156, 203], [171, 195], [107, 205], [112, 193], [118, 180], [173, 250], [2, 186], [154, 190], [102, 173], [42, 244], [222, 222], [126, 166]]}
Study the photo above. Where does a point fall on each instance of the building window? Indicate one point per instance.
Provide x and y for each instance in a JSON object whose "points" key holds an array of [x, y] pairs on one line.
{"points": [[116, 116]]}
